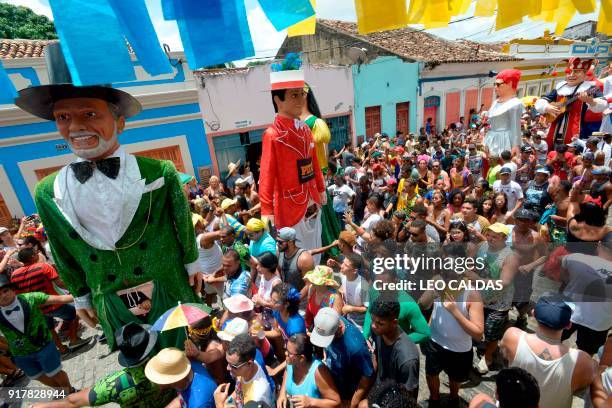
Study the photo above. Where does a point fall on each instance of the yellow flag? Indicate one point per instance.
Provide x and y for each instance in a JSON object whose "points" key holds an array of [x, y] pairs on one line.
{"points": [[436, 14], [306, 27], [458, 7], [550, 5], [563, 15], [534, 8], [485, 8], [585, 6], [604, 24], [374, 15], [416, 11], [508, 14]]}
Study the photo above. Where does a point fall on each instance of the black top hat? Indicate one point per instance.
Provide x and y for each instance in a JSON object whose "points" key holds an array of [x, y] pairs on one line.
{"points": [[135, 342], [4, 281], [39, 100]]}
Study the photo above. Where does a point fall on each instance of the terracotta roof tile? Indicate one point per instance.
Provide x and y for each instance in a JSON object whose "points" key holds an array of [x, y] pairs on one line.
{"points": [[419, 45], [11, 49]]}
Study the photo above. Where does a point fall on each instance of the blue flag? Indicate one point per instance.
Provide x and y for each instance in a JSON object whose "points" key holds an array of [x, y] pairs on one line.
{"points": [[212, 31], [92, 41], [138, 28], [285, 13]]}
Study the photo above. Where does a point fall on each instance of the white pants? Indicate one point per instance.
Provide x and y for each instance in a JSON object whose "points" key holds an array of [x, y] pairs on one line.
{"points": [[308, 234]]}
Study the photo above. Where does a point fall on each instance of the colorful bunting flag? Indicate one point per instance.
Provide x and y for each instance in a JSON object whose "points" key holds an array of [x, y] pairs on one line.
{"points": [[604, 23], [416, 11], [563, 15], [485, 8], [92, 42], [306, 27], [374, 15], [7, 89], [285, 13], [213, 32], [585, 6], [437, 13], [508, 14], [136, 23]]}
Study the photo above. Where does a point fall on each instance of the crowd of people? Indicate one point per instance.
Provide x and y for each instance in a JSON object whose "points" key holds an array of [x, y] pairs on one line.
{"points": [[448, 252], [290, 331]]}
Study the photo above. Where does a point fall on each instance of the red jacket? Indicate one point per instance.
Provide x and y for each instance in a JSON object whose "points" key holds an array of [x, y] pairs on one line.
{"points": [[290, 175]]}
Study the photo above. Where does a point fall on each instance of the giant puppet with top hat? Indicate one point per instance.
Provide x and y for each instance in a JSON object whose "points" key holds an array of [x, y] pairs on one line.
{"points": [[119, 225], [575, 106], [291, 186]]}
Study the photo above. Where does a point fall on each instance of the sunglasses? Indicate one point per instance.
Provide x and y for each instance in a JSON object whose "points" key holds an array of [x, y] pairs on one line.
{"points": [[497, 84], [235, 367], [457, 224]]}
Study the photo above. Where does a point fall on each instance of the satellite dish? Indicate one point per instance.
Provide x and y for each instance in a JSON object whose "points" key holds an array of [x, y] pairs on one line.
{"points": [[358, 55]]}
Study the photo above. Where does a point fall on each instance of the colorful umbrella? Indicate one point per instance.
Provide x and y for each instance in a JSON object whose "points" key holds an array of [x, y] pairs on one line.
{"points": [[181, 316]]}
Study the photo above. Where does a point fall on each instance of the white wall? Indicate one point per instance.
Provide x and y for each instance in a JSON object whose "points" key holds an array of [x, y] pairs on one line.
{"points": [[232, 99]]}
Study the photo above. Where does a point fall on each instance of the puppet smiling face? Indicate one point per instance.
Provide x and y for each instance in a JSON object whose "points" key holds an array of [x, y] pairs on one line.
{"points": [[89, 126]]}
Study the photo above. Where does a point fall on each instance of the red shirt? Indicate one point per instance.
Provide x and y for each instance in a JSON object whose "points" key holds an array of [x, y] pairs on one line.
{"points": [[37, 277], [559, 168]]}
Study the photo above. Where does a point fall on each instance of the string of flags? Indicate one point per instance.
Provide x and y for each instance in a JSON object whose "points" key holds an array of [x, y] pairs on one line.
{"points": [[217, 31]]}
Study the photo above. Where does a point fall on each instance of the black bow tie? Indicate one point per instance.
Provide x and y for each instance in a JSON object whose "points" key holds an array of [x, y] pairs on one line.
{"points": [[9, 311], [84, 170]]}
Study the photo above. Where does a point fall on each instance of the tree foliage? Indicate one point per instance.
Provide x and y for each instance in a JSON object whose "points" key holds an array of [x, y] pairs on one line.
{"points": [[21, 22]]}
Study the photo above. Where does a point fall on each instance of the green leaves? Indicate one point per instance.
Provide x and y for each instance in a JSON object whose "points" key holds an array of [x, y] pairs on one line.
{"points": [[21, 22]]}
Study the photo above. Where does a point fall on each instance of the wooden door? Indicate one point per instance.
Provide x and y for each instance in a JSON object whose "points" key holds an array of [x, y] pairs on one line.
{"points": [[42, 173], [471, 102], [372, 120], [5, 214], [402, 117], [486, 97], [172, 153], [453, 100]]}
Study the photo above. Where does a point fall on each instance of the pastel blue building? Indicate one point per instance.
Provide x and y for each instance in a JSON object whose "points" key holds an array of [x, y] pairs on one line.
{"points": [[170, 127], [385, 96]]}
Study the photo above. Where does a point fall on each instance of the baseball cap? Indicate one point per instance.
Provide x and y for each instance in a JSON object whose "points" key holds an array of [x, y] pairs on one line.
{"points": [[588, 156], [597, 170], [326, 323], [227, 203], [539, 133], [594, 140], [543, 170], [505, 170], [526, 149], [471, 146], [525, 214], [573, 144], [552, 312], [286, 234], [499, 228], [3, 230], [234, 327]]}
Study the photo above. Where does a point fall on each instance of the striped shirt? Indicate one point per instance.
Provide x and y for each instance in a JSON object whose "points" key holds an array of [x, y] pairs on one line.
{"points": [[37, 277]]}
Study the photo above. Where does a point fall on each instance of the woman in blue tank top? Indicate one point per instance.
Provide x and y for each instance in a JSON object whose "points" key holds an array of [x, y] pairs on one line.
{"points": [[306, 382]]}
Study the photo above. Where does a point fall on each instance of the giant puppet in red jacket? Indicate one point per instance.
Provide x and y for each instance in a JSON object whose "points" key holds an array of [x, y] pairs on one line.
{"points": [[583, 116], [291, 186]]}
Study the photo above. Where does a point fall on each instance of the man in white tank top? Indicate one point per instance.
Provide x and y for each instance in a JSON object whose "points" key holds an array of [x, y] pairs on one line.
{"points": [[561, 371]]}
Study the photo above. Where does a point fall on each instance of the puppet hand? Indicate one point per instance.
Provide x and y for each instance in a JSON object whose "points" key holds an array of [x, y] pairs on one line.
{"points": [[323, 196], [88, 315], [195, 280]]}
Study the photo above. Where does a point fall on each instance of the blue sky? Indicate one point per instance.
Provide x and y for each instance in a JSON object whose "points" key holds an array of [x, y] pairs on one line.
{"points": [[267, 40]]}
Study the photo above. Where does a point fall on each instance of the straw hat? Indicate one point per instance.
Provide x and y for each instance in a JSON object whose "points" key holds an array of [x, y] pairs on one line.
{"points": [[233, 166], [322, 276], [169, 366]]}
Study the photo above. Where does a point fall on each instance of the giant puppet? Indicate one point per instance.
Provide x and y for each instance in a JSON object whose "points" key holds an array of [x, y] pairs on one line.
{"points": [[311, 115], [505, 114], [119, 225], [291, 186], [575, 106]]}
